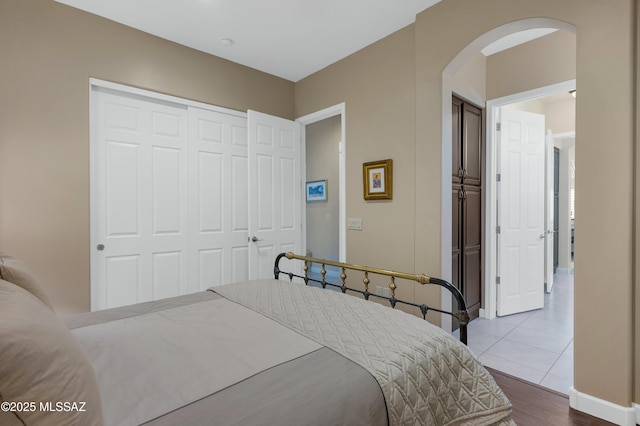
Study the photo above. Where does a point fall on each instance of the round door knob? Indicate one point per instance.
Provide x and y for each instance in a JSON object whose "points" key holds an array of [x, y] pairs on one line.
{"points": [[100, 247]]}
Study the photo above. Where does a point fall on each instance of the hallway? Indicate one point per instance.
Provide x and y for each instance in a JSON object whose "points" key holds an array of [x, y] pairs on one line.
{"points": [[536, 346]]}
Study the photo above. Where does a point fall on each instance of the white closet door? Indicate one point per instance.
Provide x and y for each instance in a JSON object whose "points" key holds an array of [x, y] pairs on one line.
{"points": [[275, 192], [140, 226], [218, 202], [177, 190]]}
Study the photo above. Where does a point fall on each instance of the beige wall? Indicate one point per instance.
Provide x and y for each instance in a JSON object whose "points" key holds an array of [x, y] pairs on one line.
{"points": [[49, 52], [538, 63], [603, 359], [561, 116], [470, 82], [322, 153], [379, 89], [377, 86]]}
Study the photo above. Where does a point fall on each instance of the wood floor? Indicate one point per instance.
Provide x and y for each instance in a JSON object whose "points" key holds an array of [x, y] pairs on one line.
{"points": [[535, 405]]}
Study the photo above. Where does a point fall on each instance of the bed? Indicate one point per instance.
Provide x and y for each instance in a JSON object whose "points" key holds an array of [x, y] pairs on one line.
{"points": [[271, 351]]}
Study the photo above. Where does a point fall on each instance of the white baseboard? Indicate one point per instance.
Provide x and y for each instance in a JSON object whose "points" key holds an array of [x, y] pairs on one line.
{"points": [[614, 413], [485, 314], [565, 271]]}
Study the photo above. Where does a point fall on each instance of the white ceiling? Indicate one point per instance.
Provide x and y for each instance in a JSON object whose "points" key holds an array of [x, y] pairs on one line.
{"points": [[287, 38]]}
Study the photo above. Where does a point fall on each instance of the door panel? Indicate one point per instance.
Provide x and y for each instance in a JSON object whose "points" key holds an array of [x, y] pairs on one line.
{"points": [[122, 276], [455, 236], [456, 138], [275, 192], [139, 213], [218, 182], [472, 279], [521, 209], [472, 240], [472, 145]]}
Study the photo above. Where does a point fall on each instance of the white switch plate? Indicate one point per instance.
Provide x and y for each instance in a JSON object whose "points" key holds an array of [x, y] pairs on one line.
{"points": [[354, 223]]}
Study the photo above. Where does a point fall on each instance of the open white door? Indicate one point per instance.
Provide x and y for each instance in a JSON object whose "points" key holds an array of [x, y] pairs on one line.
{"points": [[521, 212], [275, 192], [548, 213]]}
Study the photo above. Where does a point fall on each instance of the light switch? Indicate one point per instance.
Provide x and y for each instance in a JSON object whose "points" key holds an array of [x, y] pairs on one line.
{"points": [[354, 223]]}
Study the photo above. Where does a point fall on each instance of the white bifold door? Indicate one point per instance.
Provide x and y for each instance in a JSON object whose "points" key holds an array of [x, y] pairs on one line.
{"points": [[521, 213], [178, 192], [218, 208]]}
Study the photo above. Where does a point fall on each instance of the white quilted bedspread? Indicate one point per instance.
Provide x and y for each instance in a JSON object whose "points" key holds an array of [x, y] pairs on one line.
{"points": [[427, 377]]}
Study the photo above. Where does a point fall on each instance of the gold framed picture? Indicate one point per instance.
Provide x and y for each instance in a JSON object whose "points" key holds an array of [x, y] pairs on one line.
{"points": [[378, 182]]}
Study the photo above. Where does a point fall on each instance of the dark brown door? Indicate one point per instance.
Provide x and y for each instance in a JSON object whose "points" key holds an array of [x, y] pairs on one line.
{"points": [[467, 152]]}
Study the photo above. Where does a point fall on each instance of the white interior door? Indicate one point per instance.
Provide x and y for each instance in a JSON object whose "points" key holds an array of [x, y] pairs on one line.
{"points": [[548, 213], [140, 234], [521, 212], [275, 192], [218, 204]]}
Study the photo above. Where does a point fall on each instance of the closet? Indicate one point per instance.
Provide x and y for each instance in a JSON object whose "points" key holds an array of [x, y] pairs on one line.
{"points": [[186, 196], [466, 232]]}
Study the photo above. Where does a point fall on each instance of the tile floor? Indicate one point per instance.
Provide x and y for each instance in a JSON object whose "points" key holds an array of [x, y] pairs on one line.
{"points": [[536, 346]]}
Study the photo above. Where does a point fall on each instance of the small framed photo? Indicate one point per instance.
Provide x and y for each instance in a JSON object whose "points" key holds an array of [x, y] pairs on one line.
{"points": [[378, 180], [317, 190]]}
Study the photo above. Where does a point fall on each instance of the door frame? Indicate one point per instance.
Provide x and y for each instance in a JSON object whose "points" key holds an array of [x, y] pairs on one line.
{"points": [[332, 111], [490, 220], [559, 137]]}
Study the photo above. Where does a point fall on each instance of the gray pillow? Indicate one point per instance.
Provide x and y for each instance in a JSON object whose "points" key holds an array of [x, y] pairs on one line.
{"points": [[42, 362], [16, 272]]}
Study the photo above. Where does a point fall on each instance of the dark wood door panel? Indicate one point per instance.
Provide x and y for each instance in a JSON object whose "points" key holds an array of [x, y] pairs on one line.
{"points": [[472, 287], [456, 137], [455, 269], [472, 217], [466, 202], [472, 144], [456, 203]]}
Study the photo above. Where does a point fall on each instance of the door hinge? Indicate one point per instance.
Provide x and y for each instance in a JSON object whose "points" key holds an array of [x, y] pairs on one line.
{"points": [[498, 229], [498, 177], [497, 280], [498, 127]]}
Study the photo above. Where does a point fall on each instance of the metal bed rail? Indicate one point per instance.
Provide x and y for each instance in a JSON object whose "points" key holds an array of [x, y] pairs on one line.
{"points": [[461, 314]]}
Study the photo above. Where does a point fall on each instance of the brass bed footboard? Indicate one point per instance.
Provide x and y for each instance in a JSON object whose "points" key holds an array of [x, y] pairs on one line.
{"points": [[461, 314]]}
